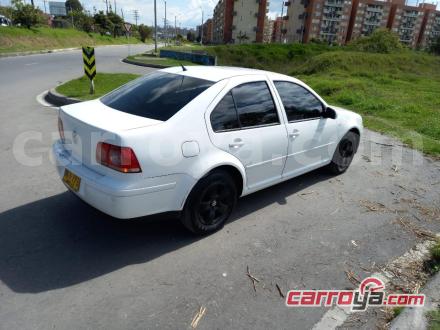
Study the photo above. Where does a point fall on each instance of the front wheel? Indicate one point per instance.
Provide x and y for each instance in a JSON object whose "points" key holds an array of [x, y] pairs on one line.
{"points": [[344, 153], [210, 203]]}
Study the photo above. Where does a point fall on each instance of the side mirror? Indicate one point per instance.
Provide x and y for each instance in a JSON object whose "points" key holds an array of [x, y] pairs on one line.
{"points": [[329, 113]]}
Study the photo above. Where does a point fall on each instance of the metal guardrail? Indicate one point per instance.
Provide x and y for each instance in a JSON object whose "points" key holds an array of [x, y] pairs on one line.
{"points": [[192, 57]]}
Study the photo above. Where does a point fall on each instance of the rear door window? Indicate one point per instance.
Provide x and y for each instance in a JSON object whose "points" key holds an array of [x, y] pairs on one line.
{"points": [[255, 105], [159, 95], [224, 117]]}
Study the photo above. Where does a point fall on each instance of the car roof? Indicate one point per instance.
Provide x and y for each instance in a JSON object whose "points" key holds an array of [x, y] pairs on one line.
{"points": [[217, 73]]}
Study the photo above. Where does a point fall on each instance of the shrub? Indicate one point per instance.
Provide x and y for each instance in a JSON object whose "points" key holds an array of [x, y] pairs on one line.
{"points": [[380, 41], [25, 14], [144, 32], [435, 46]]}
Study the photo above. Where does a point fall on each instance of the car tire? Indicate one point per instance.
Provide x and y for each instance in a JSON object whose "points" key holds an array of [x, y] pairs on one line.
{"points": [[210, 203], [344, 153]]}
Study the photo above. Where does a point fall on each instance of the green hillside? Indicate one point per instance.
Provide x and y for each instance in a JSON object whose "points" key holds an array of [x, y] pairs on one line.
{"points": [[15, 39]]}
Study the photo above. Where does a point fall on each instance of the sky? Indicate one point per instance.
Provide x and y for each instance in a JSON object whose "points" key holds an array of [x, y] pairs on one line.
{"points": [[188, 12]]}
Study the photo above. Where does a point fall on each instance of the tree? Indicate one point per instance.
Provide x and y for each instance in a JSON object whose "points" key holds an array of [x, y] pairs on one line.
{"points": [[191, 36], [103, 22], [117, 23], [242, 36], [82, 21], [25, 14], [144, 32], [73, 5], [435, 46]]}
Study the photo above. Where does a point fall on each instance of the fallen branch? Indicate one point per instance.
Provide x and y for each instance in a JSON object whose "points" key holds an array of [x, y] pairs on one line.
{"points": [[279, 291], [195, 321], [352, 277], [409, 226], [253, 279]]}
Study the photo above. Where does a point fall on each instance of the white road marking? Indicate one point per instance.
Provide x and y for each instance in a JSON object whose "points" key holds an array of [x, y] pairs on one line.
{"points": [[40, 99], [31, 63]]}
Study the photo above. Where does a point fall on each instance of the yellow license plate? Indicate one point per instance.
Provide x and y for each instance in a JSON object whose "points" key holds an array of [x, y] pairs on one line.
{"points": [[72, 180]]}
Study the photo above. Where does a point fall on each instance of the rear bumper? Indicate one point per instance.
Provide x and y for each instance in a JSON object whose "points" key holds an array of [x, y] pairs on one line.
{"points": [[115, 197]]}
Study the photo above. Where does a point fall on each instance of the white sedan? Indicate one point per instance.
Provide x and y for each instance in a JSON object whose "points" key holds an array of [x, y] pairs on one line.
{"points": [[196, 139]]}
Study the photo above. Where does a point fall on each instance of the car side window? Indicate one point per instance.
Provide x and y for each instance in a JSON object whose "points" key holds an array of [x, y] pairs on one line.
{"points": [[224, 117], [298, 102], [255, 105]]}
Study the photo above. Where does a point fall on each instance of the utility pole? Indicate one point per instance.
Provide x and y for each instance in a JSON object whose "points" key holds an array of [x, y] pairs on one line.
{"points": [[115, 8], [175, 28], [136, 16], [106, 6], [282, 20], [165, 24], [201, 29], [45, 11], [155, 27]]}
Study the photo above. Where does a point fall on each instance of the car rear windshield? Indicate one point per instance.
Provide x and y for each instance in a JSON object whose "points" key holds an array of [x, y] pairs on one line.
{"points": [[159, 95]]}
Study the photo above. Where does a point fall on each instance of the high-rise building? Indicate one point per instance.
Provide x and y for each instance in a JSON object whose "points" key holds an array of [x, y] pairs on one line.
{"points": [[295, 20], [325, 20], [406, 21], [367, 16], [268, 31], [208, 31], [276, 29], [239, 21], [430, 26]]}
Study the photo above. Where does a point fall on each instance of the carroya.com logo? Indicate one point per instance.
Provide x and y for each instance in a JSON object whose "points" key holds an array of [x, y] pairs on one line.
{"points": [[370, 293]]}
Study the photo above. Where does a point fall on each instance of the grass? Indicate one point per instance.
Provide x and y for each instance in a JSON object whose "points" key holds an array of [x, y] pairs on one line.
{"points": [[158, 60], [434, 320], [104, 83], [15, 39], [396, 93]]}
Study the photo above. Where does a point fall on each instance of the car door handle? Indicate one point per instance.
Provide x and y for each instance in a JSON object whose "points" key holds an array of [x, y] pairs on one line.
{"points": [[236, 144], [294, 134]]}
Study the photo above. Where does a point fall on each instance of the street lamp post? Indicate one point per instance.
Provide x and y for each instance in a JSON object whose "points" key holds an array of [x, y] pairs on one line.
{"points": [[201, 29], [165, 25], [155, 27]]}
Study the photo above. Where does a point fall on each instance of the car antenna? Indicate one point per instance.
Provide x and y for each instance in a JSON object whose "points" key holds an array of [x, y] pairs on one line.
{"points": [[183, 68]]}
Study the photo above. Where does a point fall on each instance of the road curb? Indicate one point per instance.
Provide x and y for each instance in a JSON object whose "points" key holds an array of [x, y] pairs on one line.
{"points": [[416, 317], [57, 99], [48, 51], [36, 52], [156, 66]]}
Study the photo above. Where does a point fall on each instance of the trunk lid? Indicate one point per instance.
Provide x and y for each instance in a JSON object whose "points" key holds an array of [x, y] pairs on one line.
{"points": [[87, 123]]}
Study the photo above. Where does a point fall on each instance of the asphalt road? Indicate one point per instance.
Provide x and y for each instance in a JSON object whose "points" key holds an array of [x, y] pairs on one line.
{"points": [[64, 265]]}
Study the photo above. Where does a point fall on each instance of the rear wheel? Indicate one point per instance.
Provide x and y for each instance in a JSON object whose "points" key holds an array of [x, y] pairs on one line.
{"points": [[210, 203], [344, 153]]}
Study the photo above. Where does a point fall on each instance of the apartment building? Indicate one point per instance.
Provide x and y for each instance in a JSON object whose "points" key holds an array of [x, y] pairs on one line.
{"points": [[268, 31], [406, 21], [430, 26], [208, 31], [367, 16], [276, 29], [295, 20], [239, 21], [326, 20]]}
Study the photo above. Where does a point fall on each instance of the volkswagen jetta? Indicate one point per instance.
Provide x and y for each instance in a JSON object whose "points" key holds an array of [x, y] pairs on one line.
{"points": [[196, 139]]}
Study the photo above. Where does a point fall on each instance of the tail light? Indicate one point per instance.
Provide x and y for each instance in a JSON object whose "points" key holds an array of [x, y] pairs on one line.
{"points": [[61, 129], [122, 159]]}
